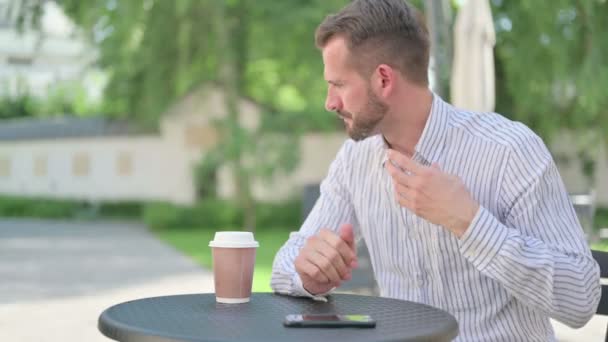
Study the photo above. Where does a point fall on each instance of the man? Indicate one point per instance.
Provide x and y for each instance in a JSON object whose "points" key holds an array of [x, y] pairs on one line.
{"points": [[462, 211]]}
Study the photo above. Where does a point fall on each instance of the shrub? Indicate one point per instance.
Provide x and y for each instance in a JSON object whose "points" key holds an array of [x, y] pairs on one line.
{"points": [[14, 206], [209, 213], [279, 215], [220, 214], [121, 209]]}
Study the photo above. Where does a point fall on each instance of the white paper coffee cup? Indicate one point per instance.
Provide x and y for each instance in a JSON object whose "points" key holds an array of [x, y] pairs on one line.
{"points": [[233, 264]]}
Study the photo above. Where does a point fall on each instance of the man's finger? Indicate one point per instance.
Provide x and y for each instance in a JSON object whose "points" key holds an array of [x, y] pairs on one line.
{"points": [[347, 233], [314, 272], [405, 163], [344, 246], [336, 259], [405, 202], [326, 266], [399, 176], [404, 191]]}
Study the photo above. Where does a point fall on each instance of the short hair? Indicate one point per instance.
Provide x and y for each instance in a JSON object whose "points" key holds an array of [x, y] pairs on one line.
{"points": [[391, 32]]}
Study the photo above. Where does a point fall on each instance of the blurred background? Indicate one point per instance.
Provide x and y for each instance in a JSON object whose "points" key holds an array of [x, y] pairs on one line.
{"points": [[131, 131]]}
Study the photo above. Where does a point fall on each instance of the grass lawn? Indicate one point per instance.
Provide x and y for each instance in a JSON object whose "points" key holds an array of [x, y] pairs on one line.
{"points": [[601, 221], [195, 243]]}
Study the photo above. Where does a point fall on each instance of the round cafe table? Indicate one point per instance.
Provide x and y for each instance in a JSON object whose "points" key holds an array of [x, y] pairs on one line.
{"points": [[197, 317]]}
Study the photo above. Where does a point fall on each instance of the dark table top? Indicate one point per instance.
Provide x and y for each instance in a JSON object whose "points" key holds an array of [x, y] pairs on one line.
{"points": [[197, 317]]}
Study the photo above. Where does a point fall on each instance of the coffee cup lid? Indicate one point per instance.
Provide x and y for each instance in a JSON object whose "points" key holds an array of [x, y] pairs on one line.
{"points": [[234, 240]]}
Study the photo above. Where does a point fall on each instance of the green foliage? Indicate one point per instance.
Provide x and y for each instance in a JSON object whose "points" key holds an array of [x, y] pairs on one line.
{"points": [[63, 99], [53, 208], [551, 70], [279, 215], [67, 98], [20, 106], [121, 209], [216, 214], [156, 51], [601, 218], [163, 215], [13, 206], [210, 213]]}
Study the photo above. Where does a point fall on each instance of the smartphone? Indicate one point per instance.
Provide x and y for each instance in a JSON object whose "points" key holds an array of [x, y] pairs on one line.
{"points": [[329, 320]]}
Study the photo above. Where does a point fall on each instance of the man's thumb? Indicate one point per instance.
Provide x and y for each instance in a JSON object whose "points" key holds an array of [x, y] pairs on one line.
{"points": [[347, 234]]}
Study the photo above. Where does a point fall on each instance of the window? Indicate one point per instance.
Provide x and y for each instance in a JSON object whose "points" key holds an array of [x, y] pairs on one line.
{"points": [[197, 136], [81, 165], [40, 166], [5, 167], [124, 164]]}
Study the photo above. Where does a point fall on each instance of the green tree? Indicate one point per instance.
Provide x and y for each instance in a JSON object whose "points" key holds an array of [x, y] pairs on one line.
{"points": [[551, 69], [157, 51]]}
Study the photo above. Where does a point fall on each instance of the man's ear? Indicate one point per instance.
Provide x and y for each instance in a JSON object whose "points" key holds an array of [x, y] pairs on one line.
{"points": [[384, 80]]}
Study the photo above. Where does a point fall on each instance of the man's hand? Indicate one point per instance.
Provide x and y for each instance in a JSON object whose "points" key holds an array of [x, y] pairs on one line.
{"points": [[432, 194], [327, 259]]}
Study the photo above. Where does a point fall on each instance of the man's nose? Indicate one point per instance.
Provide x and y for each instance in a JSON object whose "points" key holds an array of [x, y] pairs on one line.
{"points": [[332, 103]]}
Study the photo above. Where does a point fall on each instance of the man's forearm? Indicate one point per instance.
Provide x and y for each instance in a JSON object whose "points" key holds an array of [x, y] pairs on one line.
{"points": [[562, 284]]}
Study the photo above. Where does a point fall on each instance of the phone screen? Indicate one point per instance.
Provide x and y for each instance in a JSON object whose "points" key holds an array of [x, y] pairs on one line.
{"points": [[350, 318], [329, 320]]}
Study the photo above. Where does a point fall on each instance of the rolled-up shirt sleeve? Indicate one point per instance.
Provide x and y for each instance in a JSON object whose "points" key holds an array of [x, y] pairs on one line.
{"points": [[332, 209], [538, 251]]}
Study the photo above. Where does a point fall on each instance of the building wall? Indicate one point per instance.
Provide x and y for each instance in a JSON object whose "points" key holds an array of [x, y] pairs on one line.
{"points": [[317, 153], [115, 168], [153, 167]]}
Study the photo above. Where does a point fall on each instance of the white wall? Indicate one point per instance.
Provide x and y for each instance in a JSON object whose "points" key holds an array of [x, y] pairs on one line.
{"points": [[159, 171], [317, 153]]}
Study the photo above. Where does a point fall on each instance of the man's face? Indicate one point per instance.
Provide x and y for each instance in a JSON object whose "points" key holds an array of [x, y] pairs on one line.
{"points": [[349, 95]]}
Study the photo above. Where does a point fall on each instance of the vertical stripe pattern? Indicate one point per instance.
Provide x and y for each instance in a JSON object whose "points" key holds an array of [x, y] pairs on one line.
{"points": [[523, 259]]}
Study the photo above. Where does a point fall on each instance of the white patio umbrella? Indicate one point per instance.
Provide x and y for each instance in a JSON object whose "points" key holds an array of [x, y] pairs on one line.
{"points": [[472, 82]]}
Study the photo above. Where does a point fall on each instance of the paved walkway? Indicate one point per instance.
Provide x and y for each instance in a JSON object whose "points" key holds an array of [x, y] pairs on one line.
{"points": [[57, 277]]}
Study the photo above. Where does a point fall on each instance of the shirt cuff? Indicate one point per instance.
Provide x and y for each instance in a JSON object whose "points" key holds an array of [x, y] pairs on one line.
{"points": [[483, 239], [300, 291]]}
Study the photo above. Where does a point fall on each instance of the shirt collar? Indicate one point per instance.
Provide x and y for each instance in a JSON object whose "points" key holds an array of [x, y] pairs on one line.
{"points": [[432, 141]]}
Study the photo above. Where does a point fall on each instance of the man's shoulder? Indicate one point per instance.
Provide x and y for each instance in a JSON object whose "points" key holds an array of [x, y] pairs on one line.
{"points": [[494, 128]]}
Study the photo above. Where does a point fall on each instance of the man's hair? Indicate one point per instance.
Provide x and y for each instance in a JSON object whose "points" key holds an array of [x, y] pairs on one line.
{"points": [[390, 32]]}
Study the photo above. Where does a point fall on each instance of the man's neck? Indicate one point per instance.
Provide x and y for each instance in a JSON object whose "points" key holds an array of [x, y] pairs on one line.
{"points": [[406, 123]]}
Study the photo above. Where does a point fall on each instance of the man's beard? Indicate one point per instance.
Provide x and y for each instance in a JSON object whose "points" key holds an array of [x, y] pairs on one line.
{"points": [[365, 122]]}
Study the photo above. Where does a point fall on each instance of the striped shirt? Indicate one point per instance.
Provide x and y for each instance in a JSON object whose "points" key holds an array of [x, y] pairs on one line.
{"points": [[523, 259]]}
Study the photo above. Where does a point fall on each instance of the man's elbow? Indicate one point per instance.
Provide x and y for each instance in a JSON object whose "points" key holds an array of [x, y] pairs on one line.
{"points": [[586, 311], [578, 321]]}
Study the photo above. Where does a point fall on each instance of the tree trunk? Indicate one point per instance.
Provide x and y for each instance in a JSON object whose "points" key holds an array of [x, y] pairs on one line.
{"points": [[232, 50]]}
